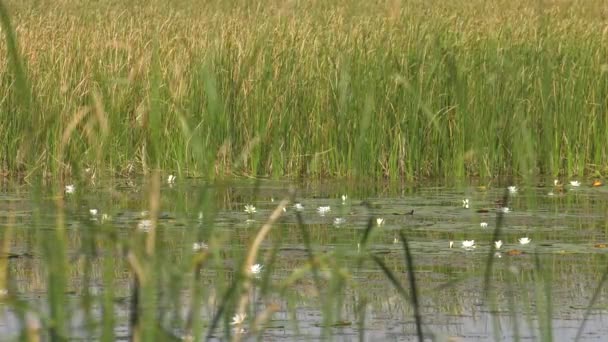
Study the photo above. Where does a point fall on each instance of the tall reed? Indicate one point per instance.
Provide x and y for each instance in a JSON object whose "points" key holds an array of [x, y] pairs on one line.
{"points": [[343, 89]]}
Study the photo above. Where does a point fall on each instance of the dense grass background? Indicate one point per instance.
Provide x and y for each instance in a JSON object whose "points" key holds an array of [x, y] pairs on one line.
{"points": [[310, 89], [396, 89]]}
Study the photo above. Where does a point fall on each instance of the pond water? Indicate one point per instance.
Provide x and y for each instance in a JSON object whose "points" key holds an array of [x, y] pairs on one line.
{"points": [[538, 291]]}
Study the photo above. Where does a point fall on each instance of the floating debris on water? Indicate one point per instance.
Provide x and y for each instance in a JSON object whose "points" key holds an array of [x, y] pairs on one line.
{"points": [[514, 252]]}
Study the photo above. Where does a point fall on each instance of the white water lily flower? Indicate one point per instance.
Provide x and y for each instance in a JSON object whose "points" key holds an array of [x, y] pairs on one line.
{"points": [[468, 244], [93, 212], [451, 244], [323, 210], [238, 319], [298, 206], [524, 240], [465, 203], [339, 220], [504, 210], [250, 209], [144, 225], [199, 246], [69, 189], [171, 179], [256, 269], [575, 183], [512, 189], [498, 244], [344, 198], [483, 224], [379, 221]]}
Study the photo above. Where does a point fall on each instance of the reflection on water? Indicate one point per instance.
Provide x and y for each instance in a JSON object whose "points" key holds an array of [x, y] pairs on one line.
{"points": [[568, 233]]}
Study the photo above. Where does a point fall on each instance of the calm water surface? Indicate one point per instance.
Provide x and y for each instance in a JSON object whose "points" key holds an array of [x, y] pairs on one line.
{"points": [[568, 233]]}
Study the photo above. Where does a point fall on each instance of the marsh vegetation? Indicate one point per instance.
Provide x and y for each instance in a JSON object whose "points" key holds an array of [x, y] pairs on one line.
{"points": [[412, 148], [397, 89]]}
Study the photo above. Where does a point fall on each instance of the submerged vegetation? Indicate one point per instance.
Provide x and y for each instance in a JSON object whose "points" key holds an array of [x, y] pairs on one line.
{"points": [[395, 89]]}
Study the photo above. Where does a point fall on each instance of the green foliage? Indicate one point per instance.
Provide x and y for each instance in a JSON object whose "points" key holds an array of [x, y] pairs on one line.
{"points": [[346, 88]]}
